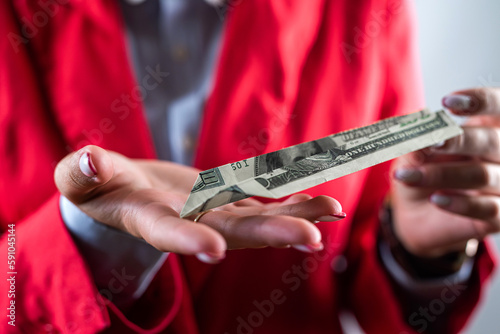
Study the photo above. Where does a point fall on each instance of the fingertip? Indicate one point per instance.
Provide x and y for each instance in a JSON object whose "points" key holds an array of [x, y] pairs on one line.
{"points": [[210, 258], [192, 239], [335, 217], [95, 163], [457, 103], [82, 171], [329, 202], [482, 100], [477, 207], [295, 231], [465, 102], [303, 232], [408, 175], [310, 248], [316, 236], [280, 230], [323, 208], [441, 200]]}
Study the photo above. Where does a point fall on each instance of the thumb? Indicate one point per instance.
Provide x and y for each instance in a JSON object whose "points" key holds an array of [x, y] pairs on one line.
{"points": [[81, 172]]}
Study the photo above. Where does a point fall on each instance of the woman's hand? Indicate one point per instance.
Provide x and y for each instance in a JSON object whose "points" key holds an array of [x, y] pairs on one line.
{"points": [[449, 194], [145, 197]]}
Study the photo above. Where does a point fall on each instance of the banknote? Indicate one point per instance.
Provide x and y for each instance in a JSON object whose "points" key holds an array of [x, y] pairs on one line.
{"points": [[296, 168]]}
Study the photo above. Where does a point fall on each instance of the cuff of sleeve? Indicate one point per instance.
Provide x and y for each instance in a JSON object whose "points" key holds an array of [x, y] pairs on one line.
{"points": [[426, 286], [122, 266]]}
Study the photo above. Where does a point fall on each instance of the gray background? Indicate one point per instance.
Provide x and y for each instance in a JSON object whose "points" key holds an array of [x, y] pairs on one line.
{"points": [[460, 48]]}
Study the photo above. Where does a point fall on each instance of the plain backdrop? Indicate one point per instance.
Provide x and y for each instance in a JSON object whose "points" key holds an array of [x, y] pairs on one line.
{"points": [[460, 48]]}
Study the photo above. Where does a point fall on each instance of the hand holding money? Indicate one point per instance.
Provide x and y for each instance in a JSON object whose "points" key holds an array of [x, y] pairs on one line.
{"points": [[450, 194], [145, 197], [296, 168]]}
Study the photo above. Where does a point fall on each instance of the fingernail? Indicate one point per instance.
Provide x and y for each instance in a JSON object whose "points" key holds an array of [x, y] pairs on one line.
{"points": [[441, 200], [333, 217], [458, 102], [210, 258], [408, 175], [309, 248], [87, 166]]}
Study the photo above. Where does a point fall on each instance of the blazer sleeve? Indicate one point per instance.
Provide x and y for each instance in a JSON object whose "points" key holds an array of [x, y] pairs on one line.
{"points": [[46, 285], [381, 305]]}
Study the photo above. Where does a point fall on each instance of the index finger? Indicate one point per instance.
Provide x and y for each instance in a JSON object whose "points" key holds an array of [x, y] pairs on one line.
{"points": [[475, 101], [482, 142]]}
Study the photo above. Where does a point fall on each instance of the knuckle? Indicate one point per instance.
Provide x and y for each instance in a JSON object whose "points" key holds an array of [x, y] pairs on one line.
{"points": [[436, 176], [485, 99], [480, 175], [288, 210], [459, 142], [489, 97], [227, 225], [491, 177], [491, 211], [495, 227], [480, 208], [475, 176], [484, 140], [481, 98]]}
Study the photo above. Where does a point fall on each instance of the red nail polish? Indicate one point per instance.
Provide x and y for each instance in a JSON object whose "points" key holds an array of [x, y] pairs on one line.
{"points": [[316, 247], [332, 218]]}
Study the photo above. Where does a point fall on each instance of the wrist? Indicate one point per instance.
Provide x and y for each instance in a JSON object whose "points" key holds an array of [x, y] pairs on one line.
{"points": [[422, 267]]}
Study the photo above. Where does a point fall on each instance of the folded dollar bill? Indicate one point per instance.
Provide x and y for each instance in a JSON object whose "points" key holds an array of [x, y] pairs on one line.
{"points": [[296, 168]]}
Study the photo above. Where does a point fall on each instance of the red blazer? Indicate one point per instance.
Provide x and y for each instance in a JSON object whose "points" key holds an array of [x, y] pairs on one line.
{"points": [[289, 71]]}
